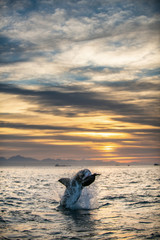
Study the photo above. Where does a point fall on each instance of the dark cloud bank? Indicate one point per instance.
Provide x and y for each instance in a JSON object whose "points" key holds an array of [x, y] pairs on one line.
{"points": [[82, 101]]}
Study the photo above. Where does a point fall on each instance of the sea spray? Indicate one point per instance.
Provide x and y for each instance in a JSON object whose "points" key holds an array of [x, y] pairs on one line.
{"points": [[88, 199]]}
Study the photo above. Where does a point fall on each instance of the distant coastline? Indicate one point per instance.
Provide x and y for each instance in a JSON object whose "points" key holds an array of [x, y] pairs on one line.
{"points": [[27, 161], [19, 160]]}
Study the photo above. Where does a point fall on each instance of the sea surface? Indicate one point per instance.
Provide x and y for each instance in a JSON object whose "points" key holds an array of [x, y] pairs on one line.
{"points": [[123, 203]]}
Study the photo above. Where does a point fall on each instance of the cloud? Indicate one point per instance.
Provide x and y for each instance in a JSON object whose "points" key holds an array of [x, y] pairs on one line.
{"points": [[85, 100], [65, 60], [60, 29], [44, 42], [39, 127], [12, 52], [141, 151], [143, 119], [135, 85]]}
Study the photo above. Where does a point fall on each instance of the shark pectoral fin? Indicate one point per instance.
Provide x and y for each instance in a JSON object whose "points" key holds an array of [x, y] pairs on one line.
{"points": [[65, 181]]}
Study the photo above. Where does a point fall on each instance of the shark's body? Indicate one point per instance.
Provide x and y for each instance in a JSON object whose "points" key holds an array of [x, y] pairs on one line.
{"points": [[74, 187]]}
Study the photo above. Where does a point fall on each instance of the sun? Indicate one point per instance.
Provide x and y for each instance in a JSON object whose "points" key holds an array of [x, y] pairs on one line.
{"points": [[108, 148]]}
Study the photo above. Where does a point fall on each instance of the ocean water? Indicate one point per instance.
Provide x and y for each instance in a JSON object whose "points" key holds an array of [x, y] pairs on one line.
{"points": [[123, 203]]}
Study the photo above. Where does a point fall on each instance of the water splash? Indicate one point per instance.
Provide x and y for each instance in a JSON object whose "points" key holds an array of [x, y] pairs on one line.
{"points": [[88, 199]]}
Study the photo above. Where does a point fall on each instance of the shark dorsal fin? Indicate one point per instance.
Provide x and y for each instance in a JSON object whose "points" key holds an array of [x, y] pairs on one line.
{"points": [[65, 181]]}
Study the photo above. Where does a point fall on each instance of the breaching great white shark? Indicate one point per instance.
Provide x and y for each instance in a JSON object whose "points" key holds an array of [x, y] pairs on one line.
{"points": [[74, 187]]}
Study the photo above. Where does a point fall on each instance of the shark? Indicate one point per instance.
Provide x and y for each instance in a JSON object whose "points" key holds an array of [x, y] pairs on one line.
{"points": [[74, 187]]}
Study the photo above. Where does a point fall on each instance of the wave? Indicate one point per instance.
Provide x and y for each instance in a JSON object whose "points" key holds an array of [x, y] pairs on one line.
{"points": [[113, 197]]}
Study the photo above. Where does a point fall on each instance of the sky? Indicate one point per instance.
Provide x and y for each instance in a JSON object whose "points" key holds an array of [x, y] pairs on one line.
{"points": [[80, 79]]}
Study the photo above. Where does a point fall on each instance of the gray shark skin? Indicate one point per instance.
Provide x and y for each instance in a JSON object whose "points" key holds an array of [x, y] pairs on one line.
{"points": [[74, 187]]}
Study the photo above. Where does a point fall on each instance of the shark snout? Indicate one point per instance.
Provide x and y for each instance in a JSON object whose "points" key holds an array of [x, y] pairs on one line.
{"points": [[97, 174]]}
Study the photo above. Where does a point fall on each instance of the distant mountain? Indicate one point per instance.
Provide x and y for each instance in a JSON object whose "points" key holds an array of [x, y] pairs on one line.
{"points": [[3, 161], [27, 161], [19, 158], [18, 161]]}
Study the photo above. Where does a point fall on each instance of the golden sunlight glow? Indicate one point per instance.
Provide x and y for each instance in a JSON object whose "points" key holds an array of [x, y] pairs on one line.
{"points": [[57, 142], [113, 135], [12, 104], [103, 148]]}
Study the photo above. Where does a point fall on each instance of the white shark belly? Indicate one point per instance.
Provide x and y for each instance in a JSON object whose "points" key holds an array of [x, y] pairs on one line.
{"points": [[71, 196]]}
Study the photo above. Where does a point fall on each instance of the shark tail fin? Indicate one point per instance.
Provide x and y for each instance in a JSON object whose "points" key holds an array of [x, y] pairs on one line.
{"points": [[65, 181]]}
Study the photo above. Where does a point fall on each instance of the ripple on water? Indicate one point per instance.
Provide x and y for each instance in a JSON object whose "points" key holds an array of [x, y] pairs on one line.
{"points": [[127, 205]]}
